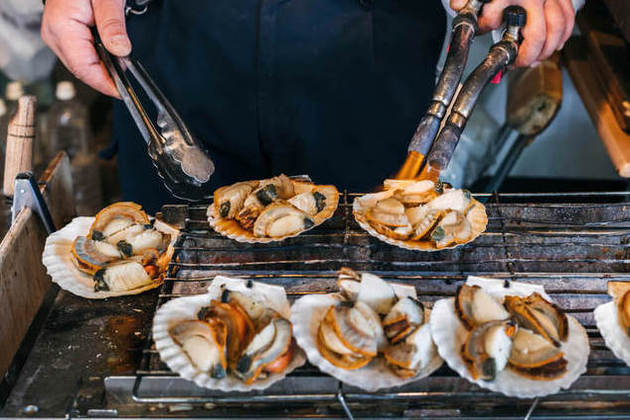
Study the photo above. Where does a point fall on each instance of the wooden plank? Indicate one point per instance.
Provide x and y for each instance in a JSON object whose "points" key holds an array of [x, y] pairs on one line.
{"points": [[617, 141], [23, 279]]}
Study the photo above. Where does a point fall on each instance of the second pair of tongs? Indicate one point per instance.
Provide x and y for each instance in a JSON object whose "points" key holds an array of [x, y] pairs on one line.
{"points": [[180, 160], [429, 151]]}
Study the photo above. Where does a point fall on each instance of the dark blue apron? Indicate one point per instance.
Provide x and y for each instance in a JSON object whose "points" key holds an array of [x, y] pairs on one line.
{"points": [[329, 88]]}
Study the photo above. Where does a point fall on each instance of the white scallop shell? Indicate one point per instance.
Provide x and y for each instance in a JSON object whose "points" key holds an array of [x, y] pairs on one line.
{"points": [[60, 265], [185, 308], [478, 220], [307, 314], [233, 230], [449, 334], [607, 319]]}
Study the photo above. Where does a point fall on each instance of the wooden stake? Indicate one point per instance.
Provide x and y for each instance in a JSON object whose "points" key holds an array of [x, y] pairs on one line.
{"points": [[20, 138]]}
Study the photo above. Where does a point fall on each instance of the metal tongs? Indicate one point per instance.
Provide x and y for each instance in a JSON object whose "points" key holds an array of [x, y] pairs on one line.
{"points": [[434, 141], [178, 157]]}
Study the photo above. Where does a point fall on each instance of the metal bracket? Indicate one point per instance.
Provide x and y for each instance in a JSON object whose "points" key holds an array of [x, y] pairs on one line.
{"points": [[27, 194]]}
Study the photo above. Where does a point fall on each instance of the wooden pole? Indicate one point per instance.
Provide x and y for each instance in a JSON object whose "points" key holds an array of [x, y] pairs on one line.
{"points": [[20, 138]]}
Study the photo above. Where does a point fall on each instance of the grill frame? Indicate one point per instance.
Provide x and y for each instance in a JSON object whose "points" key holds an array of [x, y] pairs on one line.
{"points": [[516, 225]]}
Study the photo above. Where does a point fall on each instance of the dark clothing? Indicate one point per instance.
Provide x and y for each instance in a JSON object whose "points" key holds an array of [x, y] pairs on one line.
{"points": [[329, 88]]}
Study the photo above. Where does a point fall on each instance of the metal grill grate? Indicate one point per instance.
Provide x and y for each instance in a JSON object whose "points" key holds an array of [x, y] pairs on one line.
{"points": [[573, 244]]}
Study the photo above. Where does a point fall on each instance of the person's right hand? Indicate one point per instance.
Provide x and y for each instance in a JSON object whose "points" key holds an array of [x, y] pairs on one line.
{"points": [[66, 30]]}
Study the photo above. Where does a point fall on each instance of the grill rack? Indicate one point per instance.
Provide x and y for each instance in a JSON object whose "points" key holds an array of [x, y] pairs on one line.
{"points": [[573, 249]]}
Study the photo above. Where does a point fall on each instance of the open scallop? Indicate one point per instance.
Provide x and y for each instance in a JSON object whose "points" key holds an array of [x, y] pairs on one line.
{"points": [[346, 340], [269, 349], [613, 318], [531, 355], [271, 209], [420, 215], [72, 258]]}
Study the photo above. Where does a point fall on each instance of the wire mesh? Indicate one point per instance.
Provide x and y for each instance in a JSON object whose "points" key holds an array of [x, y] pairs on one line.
{"points": [[572, 249]]}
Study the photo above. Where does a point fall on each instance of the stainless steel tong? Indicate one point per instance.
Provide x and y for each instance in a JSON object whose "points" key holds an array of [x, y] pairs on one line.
{"points": [[180, 160]]}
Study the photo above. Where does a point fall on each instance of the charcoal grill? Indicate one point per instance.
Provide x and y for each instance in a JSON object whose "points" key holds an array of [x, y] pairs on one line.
{"points": [[572, 244]]}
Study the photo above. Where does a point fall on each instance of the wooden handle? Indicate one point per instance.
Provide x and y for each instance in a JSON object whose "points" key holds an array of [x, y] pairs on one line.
{"points": [[20, 138]]}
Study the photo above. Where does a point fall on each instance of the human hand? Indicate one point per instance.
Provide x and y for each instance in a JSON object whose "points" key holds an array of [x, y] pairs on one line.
{"points": [[66, 30], [549, 25]]}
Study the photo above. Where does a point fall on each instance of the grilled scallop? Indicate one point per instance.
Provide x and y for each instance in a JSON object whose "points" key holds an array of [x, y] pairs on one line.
{"points": [[388, 212], [335, 350], [267, 347], [124, 234], [534, 357], [425, 219], [281, 219], [125, 275], [240, 328], [349, 283], [145, 239], [620, 291], [474, 306], [376, 293], [92, 256], [488, 348], [412, 354], [115, 218], [230, 199], [452, 200], [356, 327], [535, 313], [403, 319], [623, 309], [204, 344], [454, 228], [416, 192], [310, 202]]}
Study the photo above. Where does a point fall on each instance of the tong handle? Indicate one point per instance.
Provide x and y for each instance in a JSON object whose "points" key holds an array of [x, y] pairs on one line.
{"points": [[464, 29], [114, 66], [501, 55]]}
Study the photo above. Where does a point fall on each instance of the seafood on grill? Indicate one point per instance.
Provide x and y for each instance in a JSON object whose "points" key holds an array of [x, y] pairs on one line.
{"points": [[509, 337], [118, 252], [421, 215], [613, 320], [520, 333], [122, 249], [372, 333], [238, 336], [271, 209]]}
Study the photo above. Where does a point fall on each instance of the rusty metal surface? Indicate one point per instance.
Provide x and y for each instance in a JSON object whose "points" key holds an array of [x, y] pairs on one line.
{"points": [[94, 358], [80, 343]]}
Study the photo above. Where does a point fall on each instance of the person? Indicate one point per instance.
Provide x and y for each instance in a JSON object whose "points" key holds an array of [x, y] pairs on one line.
{"points": [[329, 88]]}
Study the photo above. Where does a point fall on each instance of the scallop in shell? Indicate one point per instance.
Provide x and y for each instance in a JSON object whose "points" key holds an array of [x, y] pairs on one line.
{"points": [[125, 275], [453, 228], [404, 318], [488, 348], [315, 203], [412, 354], [443, 218], [204, 344], [534, 357], [418, 192], [281, 219], [230, 199], [92, 256], [115, 218], [474, 306], [270, 344], [539, 315]]}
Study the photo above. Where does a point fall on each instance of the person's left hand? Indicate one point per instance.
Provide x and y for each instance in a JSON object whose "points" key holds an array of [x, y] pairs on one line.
{"points": [[549, 25]]}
